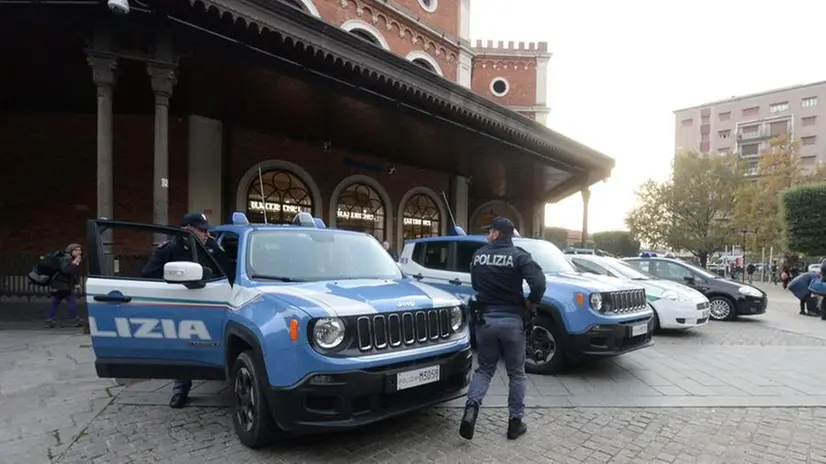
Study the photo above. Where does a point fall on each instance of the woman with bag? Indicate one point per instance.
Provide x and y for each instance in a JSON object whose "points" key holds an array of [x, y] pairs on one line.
{"points": [[785, 275]]}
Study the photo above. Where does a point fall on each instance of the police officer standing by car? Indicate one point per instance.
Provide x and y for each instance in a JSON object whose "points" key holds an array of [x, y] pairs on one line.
{"points": [[496, 273], [178, 249]]}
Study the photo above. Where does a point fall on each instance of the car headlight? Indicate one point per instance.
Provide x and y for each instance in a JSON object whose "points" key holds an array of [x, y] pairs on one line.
{"points": [[328, 332], [596, 301], [750, 291], [456, 318]]}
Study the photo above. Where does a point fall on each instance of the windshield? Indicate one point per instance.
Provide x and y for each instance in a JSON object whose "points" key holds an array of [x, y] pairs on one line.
{"points": [[622, 268], [704, 273], [309, 255], [549, 258]]}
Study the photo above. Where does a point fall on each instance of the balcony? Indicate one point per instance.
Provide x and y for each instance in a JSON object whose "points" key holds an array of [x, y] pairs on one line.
{"points": [[752, 135]]}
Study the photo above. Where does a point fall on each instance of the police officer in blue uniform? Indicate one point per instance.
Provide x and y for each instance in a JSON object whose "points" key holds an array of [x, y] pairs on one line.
{"points": [[178, 249], [496, 274]]}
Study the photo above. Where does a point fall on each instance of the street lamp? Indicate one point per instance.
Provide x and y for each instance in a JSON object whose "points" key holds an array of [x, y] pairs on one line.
{"points": [[743, 274]]}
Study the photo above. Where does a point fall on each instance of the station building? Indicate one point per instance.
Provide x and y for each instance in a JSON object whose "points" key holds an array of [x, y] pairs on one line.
{"points": [[375, 115]]}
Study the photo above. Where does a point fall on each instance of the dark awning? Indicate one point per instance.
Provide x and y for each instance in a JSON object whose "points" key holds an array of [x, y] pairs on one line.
{"points": [[414, 85]]}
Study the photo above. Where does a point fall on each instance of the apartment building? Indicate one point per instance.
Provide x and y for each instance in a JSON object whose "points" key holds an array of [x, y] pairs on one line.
{"points": [[746, 124]]}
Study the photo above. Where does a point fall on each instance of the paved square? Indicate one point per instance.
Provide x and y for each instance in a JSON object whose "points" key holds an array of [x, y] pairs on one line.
{"points": [[746, 391]]}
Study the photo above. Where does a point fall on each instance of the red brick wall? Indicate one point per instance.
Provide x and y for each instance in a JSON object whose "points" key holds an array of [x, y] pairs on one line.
{"points": [[446, 16], [48, 188], [414, 37], [327, 169], [522, 90], [49, 178]]}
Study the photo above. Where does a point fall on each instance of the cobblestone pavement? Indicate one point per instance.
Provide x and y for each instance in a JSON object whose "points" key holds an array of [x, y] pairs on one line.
{"points": [[706, 396], [729, 435]]}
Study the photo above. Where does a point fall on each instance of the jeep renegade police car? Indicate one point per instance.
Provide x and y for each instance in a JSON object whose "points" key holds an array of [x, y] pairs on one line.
{"points": [[580, 315], [315, 328]]}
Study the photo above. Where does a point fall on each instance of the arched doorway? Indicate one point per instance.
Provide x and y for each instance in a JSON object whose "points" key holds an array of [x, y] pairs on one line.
{"points": [[284, 196], [492, 209], [361, 208], [421, 217]]}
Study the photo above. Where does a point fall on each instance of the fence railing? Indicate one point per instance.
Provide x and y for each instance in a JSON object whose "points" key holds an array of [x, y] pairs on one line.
{"points": [[15, 267]]}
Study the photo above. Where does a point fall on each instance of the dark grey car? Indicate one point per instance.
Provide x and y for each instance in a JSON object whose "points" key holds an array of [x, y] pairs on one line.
{"points": [[727, 298]]}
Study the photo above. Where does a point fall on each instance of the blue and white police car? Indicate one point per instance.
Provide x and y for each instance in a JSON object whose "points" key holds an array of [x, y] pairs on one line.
{"points": [[315, 328], [580, 315]]}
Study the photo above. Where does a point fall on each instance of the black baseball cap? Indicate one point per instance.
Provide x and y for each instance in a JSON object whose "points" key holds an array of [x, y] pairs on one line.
{"points": [[198, 220], [502, 224]]}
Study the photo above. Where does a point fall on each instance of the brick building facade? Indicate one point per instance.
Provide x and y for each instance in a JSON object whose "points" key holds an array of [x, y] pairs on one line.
{"points": [[53, 151]]}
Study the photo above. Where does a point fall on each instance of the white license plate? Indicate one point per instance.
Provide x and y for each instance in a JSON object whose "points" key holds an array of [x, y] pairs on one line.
{"points": [[423, 376], [639, 329]]}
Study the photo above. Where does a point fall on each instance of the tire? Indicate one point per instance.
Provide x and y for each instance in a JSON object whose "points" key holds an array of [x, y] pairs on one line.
{"points": [[657, 327], [252, 418], [544, 327], [717, 305]]}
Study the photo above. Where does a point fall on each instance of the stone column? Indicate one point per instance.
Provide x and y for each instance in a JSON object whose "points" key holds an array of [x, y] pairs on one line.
{"points": [[103, 74], [163, 80], [586, 198]]}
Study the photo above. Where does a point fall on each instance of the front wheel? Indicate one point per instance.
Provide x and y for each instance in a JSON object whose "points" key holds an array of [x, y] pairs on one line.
{"points": [[251, 415], [544, 353], [721, 309]]}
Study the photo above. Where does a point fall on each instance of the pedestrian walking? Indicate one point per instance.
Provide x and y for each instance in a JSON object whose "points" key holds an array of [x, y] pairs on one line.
{"points": [[799, 286], [750, 272], [64, 283], [497, 271]]}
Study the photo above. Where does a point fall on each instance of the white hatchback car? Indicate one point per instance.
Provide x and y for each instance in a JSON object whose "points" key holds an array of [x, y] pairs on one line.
{"points": [[675, 306]]}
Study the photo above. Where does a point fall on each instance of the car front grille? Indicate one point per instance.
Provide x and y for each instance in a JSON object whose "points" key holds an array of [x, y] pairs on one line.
{"points": [[383, 331], [622, 302], [703, 305]]}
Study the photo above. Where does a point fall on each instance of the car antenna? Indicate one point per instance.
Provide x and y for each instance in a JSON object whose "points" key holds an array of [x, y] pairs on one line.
{"points": [[455, 230], [261, 188]]}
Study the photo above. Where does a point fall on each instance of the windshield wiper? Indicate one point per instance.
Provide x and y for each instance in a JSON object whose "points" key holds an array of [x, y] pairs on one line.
{"points": [[640, 278], [269, 277]]}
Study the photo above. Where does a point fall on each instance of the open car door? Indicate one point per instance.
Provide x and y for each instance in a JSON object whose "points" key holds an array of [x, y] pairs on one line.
{"points": [[165, 328]]}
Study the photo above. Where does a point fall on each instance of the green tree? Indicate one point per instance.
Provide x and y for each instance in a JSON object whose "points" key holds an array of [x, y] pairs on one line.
{"points": [[556, 235], [803, 219], [778, 168], [617, 242], [694, 209]]}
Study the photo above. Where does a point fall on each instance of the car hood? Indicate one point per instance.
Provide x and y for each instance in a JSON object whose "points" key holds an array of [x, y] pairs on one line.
{"points": [[591, 283], [358, 297]]}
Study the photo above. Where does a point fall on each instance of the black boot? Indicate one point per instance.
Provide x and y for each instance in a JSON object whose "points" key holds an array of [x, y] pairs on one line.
{"points": [[469, 421], [516, 428], [180, 393]]}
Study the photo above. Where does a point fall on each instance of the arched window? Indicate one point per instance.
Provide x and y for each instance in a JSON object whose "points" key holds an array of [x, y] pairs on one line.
{"points": [[284, 196], [364, 35], [421, 218], [361, 208], [425, 64]]}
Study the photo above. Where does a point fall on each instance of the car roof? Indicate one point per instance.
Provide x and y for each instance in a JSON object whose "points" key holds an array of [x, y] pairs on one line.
{"points": [[460, 238], [239, 229]]}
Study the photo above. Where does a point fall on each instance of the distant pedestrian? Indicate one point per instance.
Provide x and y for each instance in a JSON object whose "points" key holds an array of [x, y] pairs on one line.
{"points": [[64, 284], [390, 251], [750, 272]]}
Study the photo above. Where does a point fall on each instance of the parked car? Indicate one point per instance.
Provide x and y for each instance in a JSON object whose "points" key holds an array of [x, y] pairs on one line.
{"points": [[316, 329], [727, 298], [676, 306], [580, 316], [814, 267]]}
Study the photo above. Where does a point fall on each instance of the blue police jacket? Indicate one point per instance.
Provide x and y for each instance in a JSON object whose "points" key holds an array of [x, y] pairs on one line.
{"points": [[496, 273], [799, 286]]}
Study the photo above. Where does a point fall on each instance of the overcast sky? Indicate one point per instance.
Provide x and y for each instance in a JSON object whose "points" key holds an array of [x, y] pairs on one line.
{"points": [[619, 69]]}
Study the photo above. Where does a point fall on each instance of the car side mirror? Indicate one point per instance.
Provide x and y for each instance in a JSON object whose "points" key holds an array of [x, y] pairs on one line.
{"points": [[190, 274], [689, 279]]}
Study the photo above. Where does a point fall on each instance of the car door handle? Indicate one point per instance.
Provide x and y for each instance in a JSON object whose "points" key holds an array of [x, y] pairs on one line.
{"points": [[113, 298], [417, 276], [455, 282]]}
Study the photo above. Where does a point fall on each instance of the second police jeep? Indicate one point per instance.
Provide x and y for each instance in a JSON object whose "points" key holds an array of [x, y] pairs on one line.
{"points": [[315, 328], [580, 315]]}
